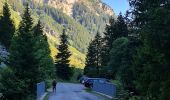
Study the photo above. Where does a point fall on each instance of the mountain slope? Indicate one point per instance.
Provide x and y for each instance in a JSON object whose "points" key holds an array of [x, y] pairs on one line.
{"points": [[81, 18]]}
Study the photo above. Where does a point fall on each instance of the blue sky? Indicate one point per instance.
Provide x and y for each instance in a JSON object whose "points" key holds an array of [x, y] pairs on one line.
{"points": [[118, 5]]}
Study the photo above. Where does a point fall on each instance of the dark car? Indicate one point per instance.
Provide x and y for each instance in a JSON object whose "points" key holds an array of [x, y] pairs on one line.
{"points": [[83, 79], [89, 82]]}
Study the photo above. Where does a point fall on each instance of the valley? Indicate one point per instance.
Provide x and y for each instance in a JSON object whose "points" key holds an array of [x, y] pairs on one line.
{"points": [[81, 19]]}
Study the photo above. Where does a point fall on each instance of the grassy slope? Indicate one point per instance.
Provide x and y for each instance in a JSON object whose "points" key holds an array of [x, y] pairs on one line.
{"points": [[79, 35], [77, 58]]}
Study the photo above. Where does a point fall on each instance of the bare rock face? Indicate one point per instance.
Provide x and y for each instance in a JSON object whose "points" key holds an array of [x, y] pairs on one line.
{"points": [[105, 8], [67, 5]]}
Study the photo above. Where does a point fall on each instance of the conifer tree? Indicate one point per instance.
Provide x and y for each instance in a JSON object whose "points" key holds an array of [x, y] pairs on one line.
{"points": [[63, 69], [90, 60], [98, 45], [107, 41], [93, 60], [121, 29], [42, 54], [22, 59], [152, 62], [114, 30], [7, 27]]}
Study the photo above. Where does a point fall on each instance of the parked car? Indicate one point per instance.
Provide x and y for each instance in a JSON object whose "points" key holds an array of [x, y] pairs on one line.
{"points": [[89, 82], [83, 79]]}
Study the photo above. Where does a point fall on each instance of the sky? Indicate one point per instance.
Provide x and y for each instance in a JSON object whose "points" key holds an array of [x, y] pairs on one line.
{"points": [[118, 5]]}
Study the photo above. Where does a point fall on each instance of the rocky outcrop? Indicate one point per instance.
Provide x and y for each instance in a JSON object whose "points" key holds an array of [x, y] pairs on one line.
{"points": [[107, 9], [93, 5], [65, 5]]}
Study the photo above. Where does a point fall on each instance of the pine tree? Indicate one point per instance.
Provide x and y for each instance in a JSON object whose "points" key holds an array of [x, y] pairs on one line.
{"points": [[63, 70], [42, 54], [121, 29], [107, 41], [7, 27], [93, 60], [152, 62], [22, 59], [90, 61], [114, 30], [98, 45]]}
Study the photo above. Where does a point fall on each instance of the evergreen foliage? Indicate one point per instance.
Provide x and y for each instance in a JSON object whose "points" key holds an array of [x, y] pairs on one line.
{"points": [[82, 26], [137, 56], [10, 85], [121, 29], [22, 60], [121, 59], [88, 18], [29, 61], [97, 49], [118, 55], [63, 70], [42, 54], [113, 31], [107, 41], [151, 63], [90, 61], [93, 59], [77, 33], [7, 27]]}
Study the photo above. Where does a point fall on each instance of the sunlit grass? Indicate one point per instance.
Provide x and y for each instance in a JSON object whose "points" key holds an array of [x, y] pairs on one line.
{"points": [[77, 59]]}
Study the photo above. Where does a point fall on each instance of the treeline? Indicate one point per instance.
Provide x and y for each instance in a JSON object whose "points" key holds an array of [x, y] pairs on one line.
{"points": [[78, 35], [135, 51], [89, 19], [29, 60], [81, 25], [101, 49]]}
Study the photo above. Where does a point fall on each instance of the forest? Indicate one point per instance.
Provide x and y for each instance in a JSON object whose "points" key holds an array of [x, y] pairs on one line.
{"points": [[133, 50], [53, 19]]}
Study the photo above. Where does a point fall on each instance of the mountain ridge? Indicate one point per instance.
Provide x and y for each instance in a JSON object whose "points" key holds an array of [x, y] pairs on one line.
{"points": [[67, 5], [82, 23]]}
